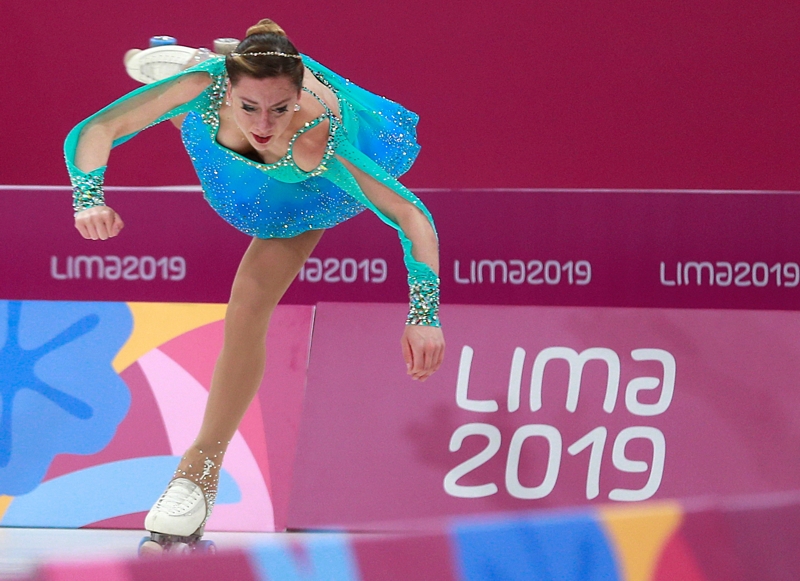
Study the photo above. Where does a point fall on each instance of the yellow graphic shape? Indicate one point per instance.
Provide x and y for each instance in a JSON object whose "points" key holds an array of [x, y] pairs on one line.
{"points": [[640, 534], [156, 323], [5, 501]]}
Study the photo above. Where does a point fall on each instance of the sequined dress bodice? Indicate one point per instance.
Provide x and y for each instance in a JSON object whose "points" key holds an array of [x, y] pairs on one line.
{"points": [[266, 200], [286, 168]]}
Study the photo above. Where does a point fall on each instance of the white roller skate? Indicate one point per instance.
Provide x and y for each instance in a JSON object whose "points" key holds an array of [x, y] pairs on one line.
{"points": [[177, 520], [157, 62], [165, 58]]}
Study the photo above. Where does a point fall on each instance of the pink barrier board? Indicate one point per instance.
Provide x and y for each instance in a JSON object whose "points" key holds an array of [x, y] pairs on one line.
{"points": [[544, 407], [534, 247]]}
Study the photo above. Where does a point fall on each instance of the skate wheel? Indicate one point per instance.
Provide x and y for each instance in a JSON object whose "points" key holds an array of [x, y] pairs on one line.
{"points": [[179, 549], [129, 55], [149, 548], [206, 547], [225, 45]]}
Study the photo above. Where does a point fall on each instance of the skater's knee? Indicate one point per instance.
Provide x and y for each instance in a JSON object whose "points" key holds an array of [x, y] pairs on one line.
{"points": [[247, 309], [253, 294], [248, 313]]}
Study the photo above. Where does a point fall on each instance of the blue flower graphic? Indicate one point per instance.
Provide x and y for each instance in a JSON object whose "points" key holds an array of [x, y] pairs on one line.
{"points": [[58, 391]]}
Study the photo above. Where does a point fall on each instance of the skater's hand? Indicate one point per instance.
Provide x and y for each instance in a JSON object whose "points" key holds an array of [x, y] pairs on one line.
{"points": [[423, 350], [98, 223]]}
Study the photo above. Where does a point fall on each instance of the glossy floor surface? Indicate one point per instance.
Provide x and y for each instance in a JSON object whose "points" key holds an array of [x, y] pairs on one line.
{"points": [[23, 550]]}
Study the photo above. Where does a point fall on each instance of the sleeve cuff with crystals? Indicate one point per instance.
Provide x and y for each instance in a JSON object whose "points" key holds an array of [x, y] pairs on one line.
{"points": [[424, 301], [87, 190]]}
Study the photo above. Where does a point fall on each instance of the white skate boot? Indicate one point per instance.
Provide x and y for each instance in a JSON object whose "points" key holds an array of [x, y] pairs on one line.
{"points": [[178, 518]]}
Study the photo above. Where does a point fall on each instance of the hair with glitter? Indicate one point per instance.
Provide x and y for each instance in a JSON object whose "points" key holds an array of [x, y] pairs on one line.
{"points": [[266, 36]]}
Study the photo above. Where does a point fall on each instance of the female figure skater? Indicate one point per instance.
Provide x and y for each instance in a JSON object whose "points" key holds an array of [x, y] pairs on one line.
{"points": [[284, 148]]}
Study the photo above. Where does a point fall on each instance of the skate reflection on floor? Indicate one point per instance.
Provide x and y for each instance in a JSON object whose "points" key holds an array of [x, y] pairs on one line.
{"points": [[23, 550]]}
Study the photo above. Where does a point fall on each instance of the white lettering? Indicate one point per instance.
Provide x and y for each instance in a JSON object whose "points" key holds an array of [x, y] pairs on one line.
{"points": [[646, 383], [516, 276], [725, 274], [451, 486], [517, 272], [595, 440], [515, 379], [699, 266], [513, 485], [624, 464], [88, 261], [334, 270], [54, 269], [492, 264], [663, 280], [114, 267], [576, 363], [456, 271], [462, 386]]}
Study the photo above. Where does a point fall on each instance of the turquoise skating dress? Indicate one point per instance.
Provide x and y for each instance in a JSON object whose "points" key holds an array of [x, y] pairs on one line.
{"points": [[280, 200]]}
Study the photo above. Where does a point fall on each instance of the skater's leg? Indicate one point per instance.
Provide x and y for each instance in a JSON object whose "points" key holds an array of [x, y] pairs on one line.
{"points": [[265, 272]]}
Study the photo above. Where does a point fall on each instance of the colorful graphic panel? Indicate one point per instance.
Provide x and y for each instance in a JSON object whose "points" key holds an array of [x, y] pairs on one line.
{"points": [[59, 391], [101, 399]]}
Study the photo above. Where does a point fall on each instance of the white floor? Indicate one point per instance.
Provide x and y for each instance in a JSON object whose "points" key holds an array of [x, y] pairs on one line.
{"points": [[22, 550]]}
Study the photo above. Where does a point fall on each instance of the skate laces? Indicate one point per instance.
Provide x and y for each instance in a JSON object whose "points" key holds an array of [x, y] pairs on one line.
{"points": [[181, 496]]}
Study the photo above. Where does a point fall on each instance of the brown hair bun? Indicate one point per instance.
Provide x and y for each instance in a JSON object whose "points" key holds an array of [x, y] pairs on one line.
{"points": [[265, 26], [265, 53]]}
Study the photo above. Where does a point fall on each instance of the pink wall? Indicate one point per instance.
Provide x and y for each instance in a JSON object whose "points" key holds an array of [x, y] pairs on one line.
{"points": [[671, 404], [519, 94]]}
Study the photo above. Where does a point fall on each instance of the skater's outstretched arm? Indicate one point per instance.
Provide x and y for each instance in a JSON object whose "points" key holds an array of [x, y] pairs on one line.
{"points": [[422, 343], [89, 144], [97, 137]]}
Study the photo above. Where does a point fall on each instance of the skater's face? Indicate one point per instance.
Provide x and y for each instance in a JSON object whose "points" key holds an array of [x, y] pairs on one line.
{"points": [[263, 108]]}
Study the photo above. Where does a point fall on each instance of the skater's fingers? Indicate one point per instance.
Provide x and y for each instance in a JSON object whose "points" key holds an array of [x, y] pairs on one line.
{"points": [[102, 230], [98, 223], [82, 227], [425, 346], [117, 225], [408, 355], [418, 349], [436, 360], [427, 360], [91, 228], [430, 367]]}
